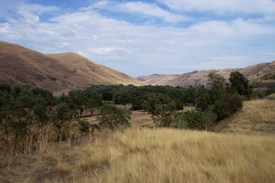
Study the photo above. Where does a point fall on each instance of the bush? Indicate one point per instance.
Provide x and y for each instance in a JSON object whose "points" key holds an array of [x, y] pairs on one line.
{"points": [[196, 119]]}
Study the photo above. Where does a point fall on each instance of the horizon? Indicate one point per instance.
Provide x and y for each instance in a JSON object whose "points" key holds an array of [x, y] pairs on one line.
{"points": [[141, 38]]}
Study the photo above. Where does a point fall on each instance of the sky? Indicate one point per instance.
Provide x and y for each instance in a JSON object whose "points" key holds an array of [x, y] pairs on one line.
{"points": [[146, 36]]}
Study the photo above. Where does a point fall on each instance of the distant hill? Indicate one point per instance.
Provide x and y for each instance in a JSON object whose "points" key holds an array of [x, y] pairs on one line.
{"points": [[260, 75], [55, 72]]}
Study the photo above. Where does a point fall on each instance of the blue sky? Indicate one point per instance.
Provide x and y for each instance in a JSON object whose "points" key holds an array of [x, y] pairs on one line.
{"points": [[146, 36]]}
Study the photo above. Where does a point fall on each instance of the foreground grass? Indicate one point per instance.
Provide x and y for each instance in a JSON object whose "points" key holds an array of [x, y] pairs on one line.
{"points": [[256, 117], [150, 155]]}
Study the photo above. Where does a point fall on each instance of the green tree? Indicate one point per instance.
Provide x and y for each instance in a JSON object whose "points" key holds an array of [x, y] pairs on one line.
{"points": [[203, 99], [177, 103], [160, 107], [62, 117], [240, 84], [122, 97], [217, 86], [93, 100], [112, 116]]}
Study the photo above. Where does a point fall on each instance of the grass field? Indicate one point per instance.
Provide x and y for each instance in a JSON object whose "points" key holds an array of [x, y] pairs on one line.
{"points": [[150, 155]]}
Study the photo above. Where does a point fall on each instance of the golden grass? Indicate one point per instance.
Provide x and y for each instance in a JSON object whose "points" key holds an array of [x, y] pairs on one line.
{"points": [[150, 155], [256, 117]]}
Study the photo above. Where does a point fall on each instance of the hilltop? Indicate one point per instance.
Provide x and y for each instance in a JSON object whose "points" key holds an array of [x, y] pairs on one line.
{"points": [[55, 72]]}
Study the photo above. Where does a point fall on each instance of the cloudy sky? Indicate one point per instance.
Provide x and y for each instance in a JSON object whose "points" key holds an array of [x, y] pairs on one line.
{"points": [[146, 36]]}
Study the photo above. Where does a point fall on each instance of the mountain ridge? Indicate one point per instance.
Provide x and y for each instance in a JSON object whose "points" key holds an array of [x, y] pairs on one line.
{"points": [[260, 75]]}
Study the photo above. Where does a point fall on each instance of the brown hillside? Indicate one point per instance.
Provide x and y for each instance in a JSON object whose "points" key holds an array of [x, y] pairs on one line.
{"points": [[22, 65], [260, 75], [157, 79], [265, 77], [94, 73]]}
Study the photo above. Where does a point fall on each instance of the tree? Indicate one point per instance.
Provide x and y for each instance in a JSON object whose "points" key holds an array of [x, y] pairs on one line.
{"points": [[62, 117], [240, 84], [76, 101], [93, 100], [112, 116], [177, 103], [122, 97], [203, 99], [217, 86], [160, 107]]}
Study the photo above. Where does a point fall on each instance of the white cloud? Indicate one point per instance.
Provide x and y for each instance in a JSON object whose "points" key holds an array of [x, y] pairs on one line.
{"points": [[102, 51], [222, 6], [145, 49], [151, 10], [140, 8]]}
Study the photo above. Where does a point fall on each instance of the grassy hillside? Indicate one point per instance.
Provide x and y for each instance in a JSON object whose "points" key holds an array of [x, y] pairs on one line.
{"points": [[256, 117], [150, 155], [94, 73]]}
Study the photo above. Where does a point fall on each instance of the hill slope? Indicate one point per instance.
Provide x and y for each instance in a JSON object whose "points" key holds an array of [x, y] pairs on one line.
{"points": [[260, 75], [256, 117], [57, 72]]}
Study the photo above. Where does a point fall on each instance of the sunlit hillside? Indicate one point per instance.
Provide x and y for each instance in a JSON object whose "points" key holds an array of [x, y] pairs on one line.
{"points": [[150, 155]]}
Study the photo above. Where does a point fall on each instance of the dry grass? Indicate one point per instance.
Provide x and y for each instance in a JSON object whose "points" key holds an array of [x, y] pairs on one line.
{"points": [[256, 117], [150, 155], [141, 119]]}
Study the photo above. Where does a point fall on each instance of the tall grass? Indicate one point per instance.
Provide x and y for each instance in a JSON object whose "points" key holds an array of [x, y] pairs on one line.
{"points": [[152, 155], [36, 138]]}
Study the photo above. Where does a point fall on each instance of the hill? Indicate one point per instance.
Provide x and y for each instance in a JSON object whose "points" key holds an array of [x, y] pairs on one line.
{"points": [[260, 75], [55, 72], [94, 73]]}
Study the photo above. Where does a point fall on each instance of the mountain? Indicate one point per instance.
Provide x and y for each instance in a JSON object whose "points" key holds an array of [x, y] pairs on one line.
{"points": [[55, 72], [260, 76]]}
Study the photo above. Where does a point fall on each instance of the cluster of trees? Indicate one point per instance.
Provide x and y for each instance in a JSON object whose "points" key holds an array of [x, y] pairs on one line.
{"points": [[26, 114], [135, 95], [212, 104], [23, 108]]}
